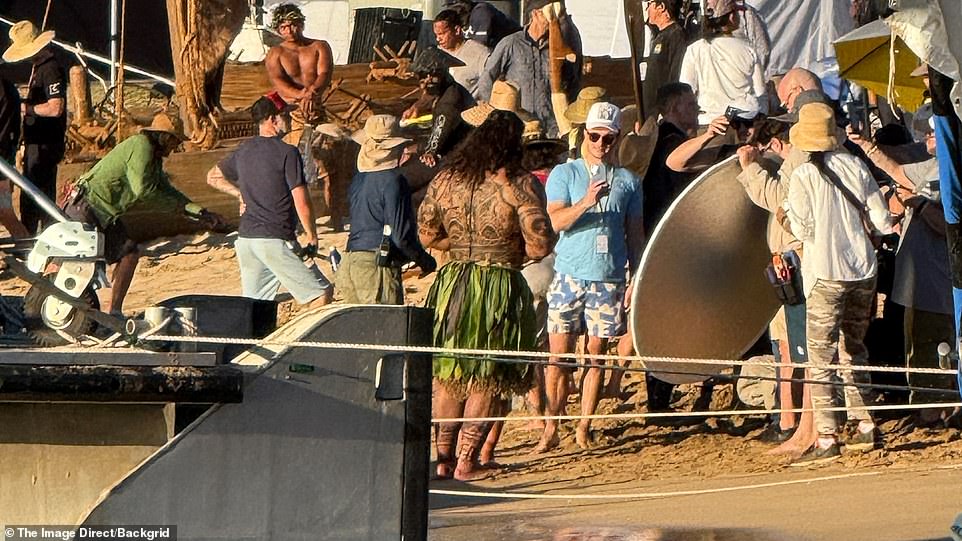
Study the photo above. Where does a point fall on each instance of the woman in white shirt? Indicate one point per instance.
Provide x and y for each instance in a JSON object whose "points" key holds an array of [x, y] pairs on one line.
{"points": [[835, 219], [723, 69]]}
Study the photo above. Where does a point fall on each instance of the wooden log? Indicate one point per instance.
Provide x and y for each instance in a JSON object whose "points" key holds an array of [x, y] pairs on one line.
{"points": [[106, 383], [79, 96]]}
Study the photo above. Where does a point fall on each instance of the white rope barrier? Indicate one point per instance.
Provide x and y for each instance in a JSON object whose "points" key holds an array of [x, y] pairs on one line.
{"points": [[493, 354], [674, 493], [670, 414]]}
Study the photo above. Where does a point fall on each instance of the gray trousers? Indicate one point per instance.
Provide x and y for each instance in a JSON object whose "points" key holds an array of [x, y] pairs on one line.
{"points": [[838, 315]]}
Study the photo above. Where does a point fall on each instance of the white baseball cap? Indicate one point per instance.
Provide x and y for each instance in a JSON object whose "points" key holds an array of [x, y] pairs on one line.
{"points": [[604, 115]]}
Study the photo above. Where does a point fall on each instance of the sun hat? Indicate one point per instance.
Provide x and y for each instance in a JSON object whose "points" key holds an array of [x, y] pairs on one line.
{"points": [[715, 9], [381, 144], [533, 138], [268, 105], [27, 41], [504, 97], [577, 112], [604, 115], [636, 149], [815, 129], [164, 122]]}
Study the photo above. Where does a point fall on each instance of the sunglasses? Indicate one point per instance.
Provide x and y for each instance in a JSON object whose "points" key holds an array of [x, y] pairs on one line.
{"points": [[606, 140]]}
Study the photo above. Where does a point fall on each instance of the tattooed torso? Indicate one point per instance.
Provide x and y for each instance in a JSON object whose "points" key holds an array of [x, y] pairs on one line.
{"points": [[501, 221]]}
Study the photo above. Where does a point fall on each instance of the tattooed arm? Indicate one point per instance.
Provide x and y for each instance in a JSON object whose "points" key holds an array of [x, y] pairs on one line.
{"points": [[430, 225], [536, 230]]}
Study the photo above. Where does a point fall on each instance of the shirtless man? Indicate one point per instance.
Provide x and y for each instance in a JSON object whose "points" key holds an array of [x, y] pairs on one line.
{"points": [[299, 68]]}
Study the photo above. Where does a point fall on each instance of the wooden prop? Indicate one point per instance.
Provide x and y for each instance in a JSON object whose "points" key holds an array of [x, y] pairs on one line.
{"points": [[558, 53]]}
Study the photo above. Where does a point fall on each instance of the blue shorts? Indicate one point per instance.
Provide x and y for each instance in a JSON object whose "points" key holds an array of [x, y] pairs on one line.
{"points": [[576, 305]]}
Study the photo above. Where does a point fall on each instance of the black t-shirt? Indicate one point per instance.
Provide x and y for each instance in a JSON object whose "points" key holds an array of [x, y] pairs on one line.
{"points": [[661, 185], [9, 120], [448, 129], [663, 63], [266, 169], [49, 81]]}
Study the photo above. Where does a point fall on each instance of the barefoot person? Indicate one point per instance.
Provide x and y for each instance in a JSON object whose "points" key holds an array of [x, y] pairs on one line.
{"points": [[300, 70], [490, 216], [266, 175], [597, 209]]}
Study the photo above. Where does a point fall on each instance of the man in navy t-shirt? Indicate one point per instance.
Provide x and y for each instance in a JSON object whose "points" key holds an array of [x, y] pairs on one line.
{"points": [[267, 176]]}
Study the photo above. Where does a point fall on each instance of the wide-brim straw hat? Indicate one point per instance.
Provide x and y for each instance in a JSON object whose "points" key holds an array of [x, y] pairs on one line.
{"points": [[577, 112], [27, 41], [636, 150], [533, 138], [167, 123], [381, 144], [815, 129], [504, 97]]}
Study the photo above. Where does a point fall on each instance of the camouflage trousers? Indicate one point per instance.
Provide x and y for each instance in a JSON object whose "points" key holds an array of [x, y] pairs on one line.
{"points": [[838, 315]]}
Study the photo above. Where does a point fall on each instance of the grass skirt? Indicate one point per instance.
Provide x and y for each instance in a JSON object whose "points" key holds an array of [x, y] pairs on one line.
{"points": [[482, 307]]}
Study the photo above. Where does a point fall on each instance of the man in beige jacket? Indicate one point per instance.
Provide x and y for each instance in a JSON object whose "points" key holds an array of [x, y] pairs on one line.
{"points": [[788, 326]]}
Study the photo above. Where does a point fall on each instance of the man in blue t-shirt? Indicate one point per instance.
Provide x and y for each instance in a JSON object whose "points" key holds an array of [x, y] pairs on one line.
{"points": [[267, 176], [596, 208]]}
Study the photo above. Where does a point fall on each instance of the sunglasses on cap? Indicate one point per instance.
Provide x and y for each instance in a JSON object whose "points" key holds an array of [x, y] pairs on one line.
{"points": [[607, 139]]}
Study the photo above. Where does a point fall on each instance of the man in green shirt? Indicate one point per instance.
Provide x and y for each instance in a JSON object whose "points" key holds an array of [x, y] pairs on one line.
{"points": [[130, 173]]}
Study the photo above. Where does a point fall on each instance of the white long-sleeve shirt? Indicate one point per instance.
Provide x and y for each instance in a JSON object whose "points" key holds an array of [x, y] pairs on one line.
{"points": [[724, 71], [835, 242]]}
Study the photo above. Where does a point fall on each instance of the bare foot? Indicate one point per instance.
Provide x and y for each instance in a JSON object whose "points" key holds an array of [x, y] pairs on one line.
{"points": [[547, 443], [796, 445], [468, 471], [584, 438]]}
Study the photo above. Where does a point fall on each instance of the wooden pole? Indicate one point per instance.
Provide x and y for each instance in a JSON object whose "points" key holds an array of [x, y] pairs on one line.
{"points": [[635, 66], [80, 96]]}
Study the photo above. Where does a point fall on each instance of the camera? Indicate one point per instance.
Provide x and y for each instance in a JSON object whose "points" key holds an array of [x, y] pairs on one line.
{"points": [[731, 114]]}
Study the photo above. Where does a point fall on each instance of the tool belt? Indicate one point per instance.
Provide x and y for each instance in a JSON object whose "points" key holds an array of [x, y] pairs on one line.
{"points": [[785, 275]]}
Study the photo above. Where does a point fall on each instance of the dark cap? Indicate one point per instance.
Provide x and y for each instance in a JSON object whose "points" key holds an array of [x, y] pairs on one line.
{"points": [[269, 105], [803, 98], [434, 60], [532, 5]]}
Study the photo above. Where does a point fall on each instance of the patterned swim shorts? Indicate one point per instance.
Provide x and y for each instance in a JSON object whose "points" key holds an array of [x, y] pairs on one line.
{"points": [[574, 305]]}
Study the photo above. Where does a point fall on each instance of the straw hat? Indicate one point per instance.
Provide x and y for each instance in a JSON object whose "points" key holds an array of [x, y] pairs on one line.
{"points": [[165, 123], [533, 138], [381, 144], [815, 130], [577, 112], [504, 97], [27, 41], [636, 149]]}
